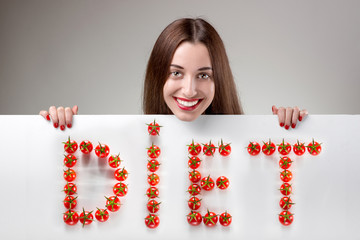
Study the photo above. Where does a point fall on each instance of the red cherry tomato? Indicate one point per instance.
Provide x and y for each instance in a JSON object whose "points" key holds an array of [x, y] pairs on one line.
{"points": [[113, 203], [154, 128], [285, 189], [69, 175], [102, 150], [152, 192], [194, 203], [70, 160], [86, 217], [286, 218], [285, 162], [253, 148], [121, 174], [153, 179], [120, 189], [194, 176], [286, 176], [284, 148], [225, 219], [70, 146], [86, 147], [194, 218], [102, 215], [207, 183], [222, 182], [70, 189], [194, 189], [153, 151], [285, 203], [209, 149], [268, 148], [152, 221], [194, 148], [314, 148], [153, 165], [71, 217], [70, 202], [114, 161], [224, 149], [210, 219], [299, 148], [194, 162], [153, 206]]}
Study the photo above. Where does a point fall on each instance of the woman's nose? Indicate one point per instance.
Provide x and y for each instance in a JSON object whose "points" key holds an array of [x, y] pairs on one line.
{"points": [[189, 87]]}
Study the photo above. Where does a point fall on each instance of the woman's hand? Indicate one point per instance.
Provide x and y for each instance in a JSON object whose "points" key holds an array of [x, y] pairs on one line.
{"points": [[60, 116], [289, 116]]}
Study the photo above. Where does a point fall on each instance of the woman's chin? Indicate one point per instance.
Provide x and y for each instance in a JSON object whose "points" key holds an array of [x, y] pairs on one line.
{"points": [[187, 117]]}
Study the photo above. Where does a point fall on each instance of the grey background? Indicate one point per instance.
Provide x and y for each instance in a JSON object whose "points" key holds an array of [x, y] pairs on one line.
{"points": [[94, 53]]}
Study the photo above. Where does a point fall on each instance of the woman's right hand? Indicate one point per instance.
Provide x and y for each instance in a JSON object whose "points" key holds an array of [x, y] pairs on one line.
{"points": [[60, 116]]}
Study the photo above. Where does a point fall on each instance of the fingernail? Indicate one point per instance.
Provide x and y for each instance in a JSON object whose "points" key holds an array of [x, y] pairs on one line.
{"points": [[69, 125], [48, 117], [300, 118], [286, 127], [293, 125], [56, 125], [62, 127], [282, 124]]}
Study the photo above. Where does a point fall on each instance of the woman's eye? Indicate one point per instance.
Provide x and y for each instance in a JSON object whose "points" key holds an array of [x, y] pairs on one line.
{"points": [[204, 76], [175, 74]]}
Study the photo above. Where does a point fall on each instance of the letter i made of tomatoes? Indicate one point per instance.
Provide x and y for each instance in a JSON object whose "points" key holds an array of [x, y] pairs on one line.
{"points": [[285, 217], [152, 220]]}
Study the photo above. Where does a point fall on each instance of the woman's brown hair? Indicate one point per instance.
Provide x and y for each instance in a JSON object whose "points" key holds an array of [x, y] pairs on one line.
{"points": [[225, 101]]}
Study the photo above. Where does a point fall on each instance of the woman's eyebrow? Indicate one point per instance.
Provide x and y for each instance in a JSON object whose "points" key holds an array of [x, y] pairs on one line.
{"points": [[177, 66]]}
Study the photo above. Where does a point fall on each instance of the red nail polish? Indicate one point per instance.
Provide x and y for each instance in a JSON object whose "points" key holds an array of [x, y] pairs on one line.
{"points": [[48, 117], [293, 125], [282, 124], [69, 125], [286, 127], [300, 118], [56, 125], [62, 127]]}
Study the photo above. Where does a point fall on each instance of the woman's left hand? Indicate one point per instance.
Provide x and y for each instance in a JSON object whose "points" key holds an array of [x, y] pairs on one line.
{"points": [[289, 116]]}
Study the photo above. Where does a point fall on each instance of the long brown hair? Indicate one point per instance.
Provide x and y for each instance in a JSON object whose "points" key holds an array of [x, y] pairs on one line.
{"points": [[225, 101]]}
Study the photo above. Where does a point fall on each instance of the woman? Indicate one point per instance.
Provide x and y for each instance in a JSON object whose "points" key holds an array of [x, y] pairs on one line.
{"points": [[188, 74]]}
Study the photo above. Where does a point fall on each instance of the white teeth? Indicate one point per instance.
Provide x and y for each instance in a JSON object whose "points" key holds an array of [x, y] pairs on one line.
{"points": [[186, 103]]}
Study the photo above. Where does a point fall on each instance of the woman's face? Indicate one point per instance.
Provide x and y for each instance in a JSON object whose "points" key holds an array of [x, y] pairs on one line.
{"points": [[190, 88]]}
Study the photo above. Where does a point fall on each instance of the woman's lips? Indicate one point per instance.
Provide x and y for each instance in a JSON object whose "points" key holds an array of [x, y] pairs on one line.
{"points": [[187, 104]]}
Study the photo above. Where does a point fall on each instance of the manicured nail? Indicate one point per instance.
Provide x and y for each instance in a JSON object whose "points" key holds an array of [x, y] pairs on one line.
{"points": [[282, 124], [293, 125], [69, 125], [286, 127], [62, 127], [300, 118], [56, 125], [48, 117]]}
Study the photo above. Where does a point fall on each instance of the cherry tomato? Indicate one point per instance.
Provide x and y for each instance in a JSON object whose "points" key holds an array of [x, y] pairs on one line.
{"points": [[299, 148], [284, 148], [194, 148], [153, 179], [120, 189], [285, 189], [285, 162], [286, 176], [286, 218], [152, 221], [102, 150], [314, 148], [207, 183], [70, 160], [152, 192], [69, 175], [71, 217], [153, 165], [154, 128], [86, 147], [70, 146], [102, 215], [121, 174], [209, 149], [70, 189], [222, 182], [210, 219], [153, 151], [86, 217], [268, 148], [194, 189], [113, 203], [153, 206], [114, 161], [253, 148], [194, 218], [70, 202], [224, 149], [194, 203], [225, 219], [194, 176], [286, 203], [194, 162]]}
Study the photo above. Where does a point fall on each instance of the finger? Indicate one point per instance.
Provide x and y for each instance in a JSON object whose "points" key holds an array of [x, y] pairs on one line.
{"points": [[288, 117], [303, 114], [75, 110], [275, 110], [295, 116], [281, 116], [45, 114], [54, 116], [68, 117], [61, 116]]}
